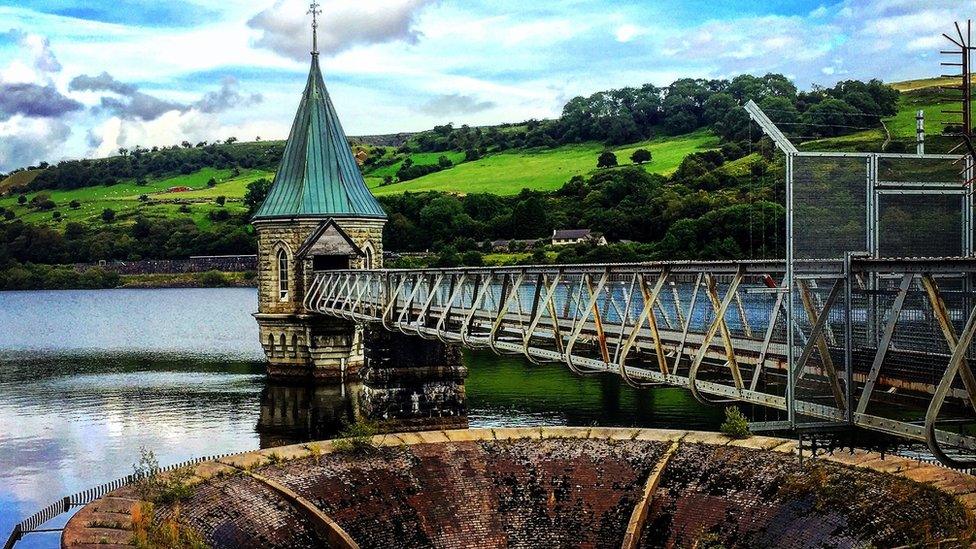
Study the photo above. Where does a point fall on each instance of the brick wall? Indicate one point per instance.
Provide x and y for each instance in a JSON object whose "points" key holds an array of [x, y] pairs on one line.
{"points": [[237, 263], [575, 493]]}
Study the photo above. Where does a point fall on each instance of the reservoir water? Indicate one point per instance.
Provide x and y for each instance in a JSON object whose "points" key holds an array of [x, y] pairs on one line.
{"points": [[88, 378]]}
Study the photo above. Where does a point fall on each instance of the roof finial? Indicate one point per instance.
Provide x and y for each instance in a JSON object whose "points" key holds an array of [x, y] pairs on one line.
{"points": [[315, 9]]}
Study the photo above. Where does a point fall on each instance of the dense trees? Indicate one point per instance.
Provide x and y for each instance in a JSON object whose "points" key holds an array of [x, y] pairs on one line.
{"points": [[627, 115], [139, 163], [146, 238], [698, 212]]}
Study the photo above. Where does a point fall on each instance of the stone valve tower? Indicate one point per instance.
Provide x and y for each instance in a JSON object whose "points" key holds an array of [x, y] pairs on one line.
{"points": [[318, 215]]}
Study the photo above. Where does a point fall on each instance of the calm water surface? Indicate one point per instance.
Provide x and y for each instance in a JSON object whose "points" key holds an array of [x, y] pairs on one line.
{"points": [[87, 378]]}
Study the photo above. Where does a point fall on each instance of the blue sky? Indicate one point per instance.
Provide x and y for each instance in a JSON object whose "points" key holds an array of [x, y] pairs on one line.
{"points": [[85, 77]]}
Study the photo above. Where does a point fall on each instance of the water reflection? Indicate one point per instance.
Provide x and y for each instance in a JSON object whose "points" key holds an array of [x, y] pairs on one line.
{"points": [[298, 413], [180, 372]]}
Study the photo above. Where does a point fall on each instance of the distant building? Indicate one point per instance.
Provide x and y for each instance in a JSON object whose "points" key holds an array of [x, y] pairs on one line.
{"points": [[361, 156], [576, 236], [180, 189]]}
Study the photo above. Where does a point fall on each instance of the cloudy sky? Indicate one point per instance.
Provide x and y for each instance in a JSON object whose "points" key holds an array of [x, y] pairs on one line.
{"points": [[85, 77]]}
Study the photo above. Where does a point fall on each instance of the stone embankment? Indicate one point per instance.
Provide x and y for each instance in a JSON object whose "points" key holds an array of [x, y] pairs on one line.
{"points": [[554, 487]]}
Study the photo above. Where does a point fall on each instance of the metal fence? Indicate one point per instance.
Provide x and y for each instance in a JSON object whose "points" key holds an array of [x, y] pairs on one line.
{"points": [[899, 328], [34, 522], [888, 205]]}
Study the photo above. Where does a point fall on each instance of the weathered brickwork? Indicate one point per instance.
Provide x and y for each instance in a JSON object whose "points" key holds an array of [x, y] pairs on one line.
{"points": [[259, 517], [560, 487], [296, 343], [734, 497]]}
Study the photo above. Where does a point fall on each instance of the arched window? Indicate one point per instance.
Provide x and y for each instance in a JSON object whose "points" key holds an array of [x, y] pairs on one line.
{"points": [[368, 259], [282, 275]]}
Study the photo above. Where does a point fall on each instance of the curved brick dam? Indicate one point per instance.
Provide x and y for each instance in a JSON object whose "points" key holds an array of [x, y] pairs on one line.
{"points": [[549, 487]]}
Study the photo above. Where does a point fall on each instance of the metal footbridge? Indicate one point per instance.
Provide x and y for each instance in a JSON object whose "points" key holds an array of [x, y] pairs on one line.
{"points": [[876, 343], [868, 322]]}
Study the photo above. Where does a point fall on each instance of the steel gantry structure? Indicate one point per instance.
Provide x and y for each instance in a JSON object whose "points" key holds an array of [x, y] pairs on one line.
{"points": [[882, 344]]}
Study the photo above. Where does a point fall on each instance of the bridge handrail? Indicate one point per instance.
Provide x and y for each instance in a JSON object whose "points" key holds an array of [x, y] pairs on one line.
{"points": [[64, 505]]}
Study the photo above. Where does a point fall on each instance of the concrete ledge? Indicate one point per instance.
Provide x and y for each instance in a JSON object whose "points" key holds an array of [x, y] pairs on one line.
{"points": [[78, 533]]}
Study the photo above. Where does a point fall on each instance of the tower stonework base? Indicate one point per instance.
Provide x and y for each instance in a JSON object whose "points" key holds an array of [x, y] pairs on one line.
{"points": [[296, 343]]}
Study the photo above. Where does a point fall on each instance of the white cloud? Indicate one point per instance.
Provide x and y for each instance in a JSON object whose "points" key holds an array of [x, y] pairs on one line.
{"points": [[389, 60], [626, 33], [26, 140], [344, 24]]}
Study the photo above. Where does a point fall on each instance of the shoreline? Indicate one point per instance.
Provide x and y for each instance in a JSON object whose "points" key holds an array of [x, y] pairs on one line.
{"points": [[209, 279]]}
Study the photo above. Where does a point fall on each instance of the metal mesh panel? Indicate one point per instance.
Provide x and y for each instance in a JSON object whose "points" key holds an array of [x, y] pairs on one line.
{"points": [[920, 170], [829, 206], [920, 225]]}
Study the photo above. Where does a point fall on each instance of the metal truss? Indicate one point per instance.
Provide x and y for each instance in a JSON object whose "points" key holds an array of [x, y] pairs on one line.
{"points": [[720, 329]]}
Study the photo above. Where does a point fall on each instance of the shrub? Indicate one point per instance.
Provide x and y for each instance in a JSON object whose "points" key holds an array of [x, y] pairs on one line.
{"points": [[218, 215], [607, 160], [214, 279], [736, 425], [356, 438], [212, 183], [74, 204], [220, 200], [22, 199], [184, 209], [108, 215], [9, 214], [472, 259], [154, 487], [640, 156], [147, 533], [56, 216]]}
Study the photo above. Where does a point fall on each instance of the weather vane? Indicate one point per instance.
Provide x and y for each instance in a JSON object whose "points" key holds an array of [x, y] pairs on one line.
{"points": [[315, 9]]}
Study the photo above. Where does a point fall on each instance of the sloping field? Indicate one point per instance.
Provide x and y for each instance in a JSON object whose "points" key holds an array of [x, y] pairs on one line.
{"points": [[18, 179], [546, 169], [123, 198]]}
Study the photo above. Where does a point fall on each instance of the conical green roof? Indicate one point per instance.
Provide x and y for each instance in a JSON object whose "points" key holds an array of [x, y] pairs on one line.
{"points": [[318, 176]]}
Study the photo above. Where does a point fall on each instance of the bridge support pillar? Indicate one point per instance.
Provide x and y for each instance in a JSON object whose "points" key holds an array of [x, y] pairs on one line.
{"points": [[311, 347], [414, 383]]}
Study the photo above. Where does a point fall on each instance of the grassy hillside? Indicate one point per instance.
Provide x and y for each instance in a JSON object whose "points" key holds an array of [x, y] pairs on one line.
{"points": [[901, 126], [124, 198], [501, 173], [18, 179], [543, 169]]}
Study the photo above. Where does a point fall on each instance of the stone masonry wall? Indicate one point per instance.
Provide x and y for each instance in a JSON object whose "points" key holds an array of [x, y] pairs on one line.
{"points": [[296, 343]]}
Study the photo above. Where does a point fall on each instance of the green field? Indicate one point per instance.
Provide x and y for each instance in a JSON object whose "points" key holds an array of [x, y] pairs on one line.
{"points": [[545, 169], [124, 198], [504, 173], [901, 126]]}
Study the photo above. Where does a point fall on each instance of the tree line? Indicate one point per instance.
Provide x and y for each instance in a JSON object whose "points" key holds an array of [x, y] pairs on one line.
{"points": [[632, 114], [140, 164]]}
